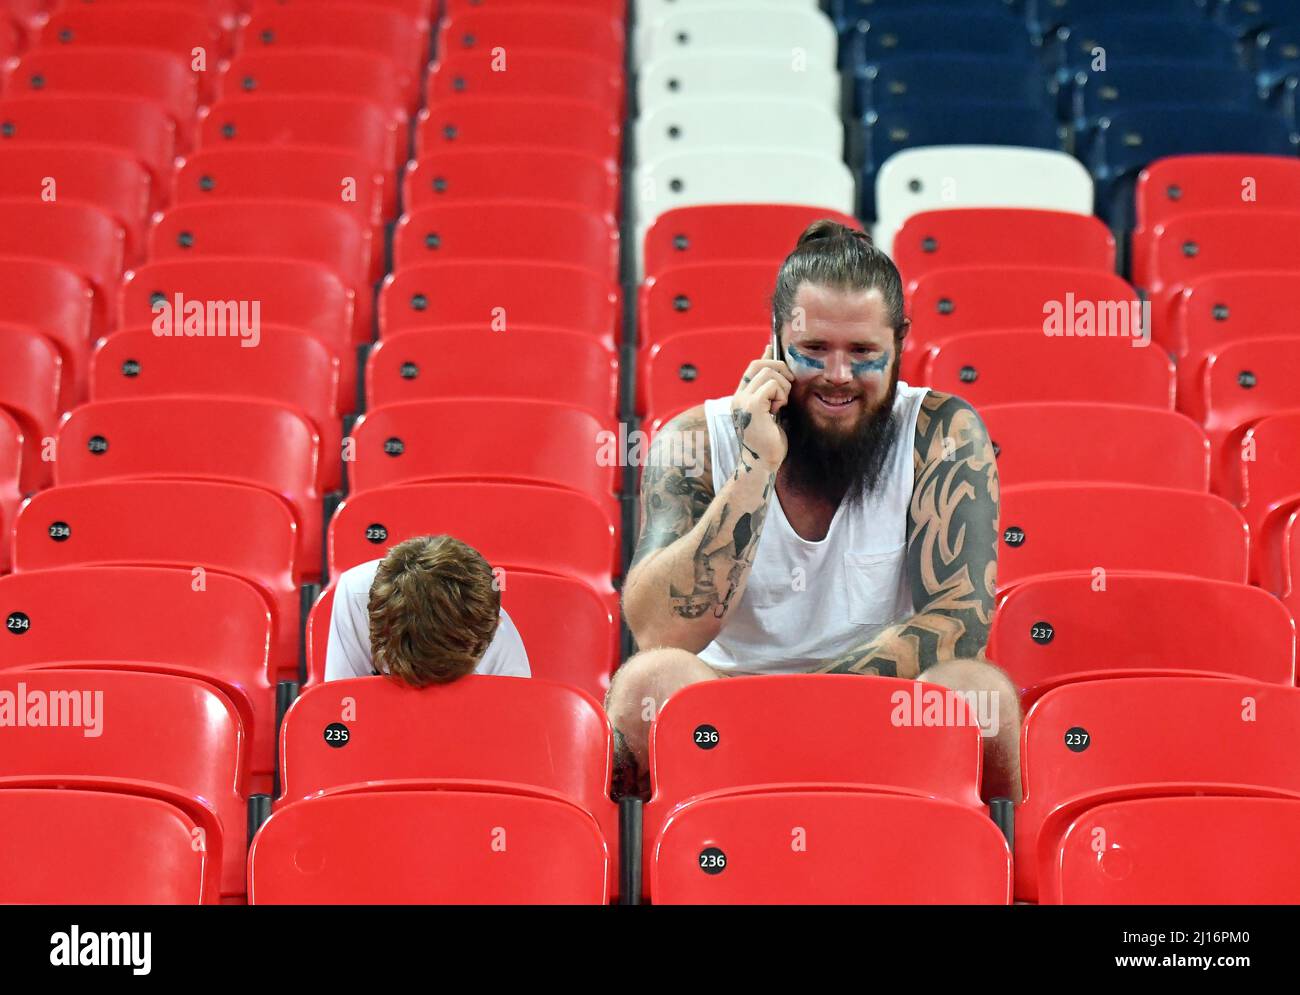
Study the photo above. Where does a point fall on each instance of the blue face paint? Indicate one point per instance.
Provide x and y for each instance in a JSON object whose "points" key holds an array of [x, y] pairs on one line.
{"points": [[868, 366], [801, 365]]}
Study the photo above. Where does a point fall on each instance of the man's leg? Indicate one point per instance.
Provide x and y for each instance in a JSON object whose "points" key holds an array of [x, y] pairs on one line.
{"points": [[1001, 751], [636, 694]]}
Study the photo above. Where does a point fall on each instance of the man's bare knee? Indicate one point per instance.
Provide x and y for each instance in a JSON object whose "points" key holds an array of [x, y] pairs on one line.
{"points": [[642, 685], [997, 703]]}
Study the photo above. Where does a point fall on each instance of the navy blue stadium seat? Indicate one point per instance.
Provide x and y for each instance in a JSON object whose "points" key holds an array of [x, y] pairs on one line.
{"points": [[1045, 16], [1134, 40], [911, 32], [909, 80], [1091, 96], [847, 13], [1128, 140], [1277, 54], [965, 122], [1287, 101], [1246, 17]]}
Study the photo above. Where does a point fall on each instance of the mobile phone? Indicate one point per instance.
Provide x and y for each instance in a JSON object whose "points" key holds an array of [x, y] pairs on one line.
{"points": [[777, 352]]}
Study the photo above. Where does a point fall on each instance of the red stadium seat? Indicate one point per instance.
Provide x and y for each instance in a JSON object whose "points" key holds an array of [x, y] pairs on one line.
{"points": [[1094, 743], [1112, 443], [521, 124], [1290, 592], [366, 28], [155, 728], [542, 233], [154, 620], [117, 843], [346, 124], [833, 730], [318, 233], [478, 734], [11, 40], [499, 298], [317, 72], [688, 368], [744, 849], [1001, 236], [530, 736], [30, 370], [1155, 853], [610, 8], [1186, 184], [1086, 528], [137, 74], [544, 364], [725, 232], [141, 130], [1050, 631], [290, 292], [223, 14], [554, 444], [178, 31], [1241, 383], [1270, 490], [555, 176], [217, 174], [1191, 246], [11, 460], [716, 738], [56, 302], [1025, 365], [112, 181], [138, 363], [79, 236], [585, 32], [417, 10], [224, 528], [528, 72], [706, 295], [1221, 308], [982, 298], [236, 439], [437, 848], [499, 520], [569, 631]]}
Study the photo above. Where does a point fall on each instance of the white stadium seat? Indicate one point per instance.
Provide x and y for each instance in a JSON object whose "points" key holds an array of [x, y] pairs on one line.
{"points": [[800, 35], [745, 176], [735, 122], [757, 75], [649, 13], [948, 176]]}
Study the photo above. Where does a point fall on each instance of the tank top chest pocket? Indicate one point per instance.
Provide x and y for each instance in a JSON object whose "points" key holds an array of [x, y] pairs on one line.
{"points": [[872, 582]]}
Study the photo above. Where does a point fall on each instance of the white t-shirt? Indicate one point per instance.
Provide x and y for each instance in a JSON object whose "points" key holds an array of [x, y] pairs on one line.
{"points": [[348, 652], [806, 602]]}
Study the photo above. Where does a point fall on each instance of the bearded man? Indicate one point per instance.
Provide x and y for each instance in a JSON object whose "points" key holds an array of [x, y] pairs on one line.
{"points": [[845, 522]]}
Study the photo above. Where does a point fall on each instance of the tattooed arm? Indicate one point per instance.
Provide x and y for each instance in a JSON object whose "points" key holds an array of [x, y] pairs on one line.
{"points": [[699, 536], [952, 536]]}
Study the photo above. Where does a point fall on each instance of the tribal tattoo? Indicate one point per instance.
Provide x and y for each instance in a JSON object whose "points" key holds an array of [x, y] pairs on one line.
{"points": [[952, 536]]}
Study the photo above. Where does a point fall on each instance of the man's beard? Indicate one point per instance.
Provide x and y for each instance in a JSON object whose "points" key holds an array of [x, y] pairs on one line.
{"points": [[839, 467]]}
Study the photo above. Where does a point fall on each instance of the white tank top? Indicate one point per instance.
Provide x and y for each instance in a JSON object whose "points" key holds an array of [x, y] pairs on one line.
{"points": [[808, 602]]}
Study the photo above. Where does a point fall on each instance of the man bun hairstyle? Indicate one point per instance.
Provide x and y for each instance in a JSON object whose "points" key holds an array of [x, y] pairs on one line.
{"points": [[434, 609], [830, 254]]}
